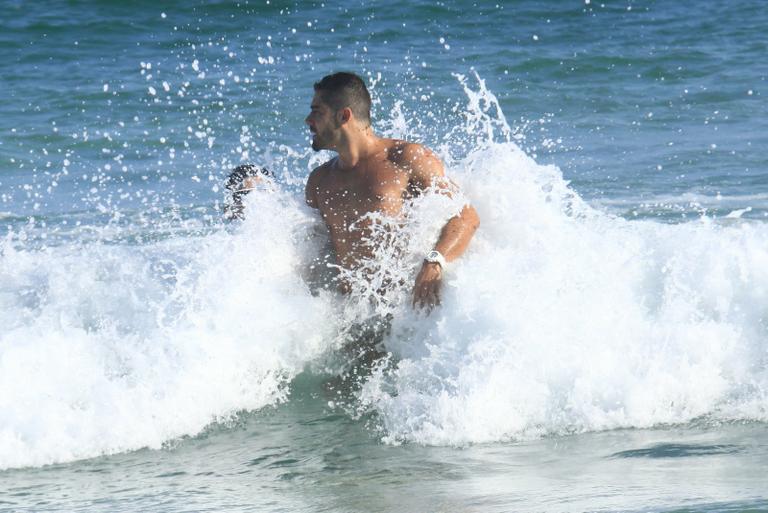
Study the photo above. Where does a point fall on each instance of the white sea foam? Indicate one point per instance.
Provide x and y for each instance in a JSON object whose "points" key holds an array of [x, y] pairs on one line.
{"points": [[110, 348], [564, 319]]}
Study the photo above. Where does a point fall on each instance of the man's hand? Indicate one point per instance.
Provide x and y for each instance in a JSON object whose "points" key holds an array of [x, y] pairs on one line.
{"points": [[344, 288], [426, 291]]}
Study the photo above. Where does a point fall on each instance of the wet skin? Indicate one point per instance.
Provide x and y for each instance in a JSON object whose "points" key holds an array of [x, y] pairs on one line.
{"points": [[376, 175], [345, 196]]}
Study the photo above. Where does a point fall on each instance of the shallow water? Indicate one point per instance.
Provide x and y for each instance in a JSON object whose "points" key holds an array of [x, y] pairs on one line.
{"points": [[601, 347], [303, 456]]}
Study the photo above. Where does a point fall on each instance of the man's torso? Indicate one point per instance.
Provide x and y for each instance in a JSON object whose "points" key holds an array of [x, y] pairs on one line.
{"points": [[346, 197]]}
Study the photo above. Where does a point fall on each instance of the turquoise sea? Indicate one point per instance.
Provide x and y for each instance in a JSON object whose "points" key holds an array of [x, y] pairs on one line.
{"points": [[602, 346]]}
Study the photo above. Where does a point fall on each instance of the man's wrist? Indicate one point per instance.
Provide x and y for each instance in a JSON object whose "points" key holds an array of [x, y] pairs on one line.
{"points": [[435, 257]]}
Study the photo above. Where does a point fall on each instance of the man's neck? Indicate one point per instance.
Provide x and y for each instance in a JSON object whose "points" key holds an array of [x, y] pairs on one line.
{"points": [[357, 147]]}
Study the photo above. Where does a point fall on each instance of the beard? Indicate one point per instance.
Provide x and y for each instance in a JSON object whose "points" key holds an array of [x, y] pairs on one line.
{"points": [[321, 143], [325, 139]]}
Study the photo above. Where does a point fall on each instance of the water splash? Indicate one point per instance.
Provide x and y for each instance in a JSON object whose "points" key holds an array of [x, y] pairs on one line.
{"points": [[564, 319], [120, 347], [559, 319]]}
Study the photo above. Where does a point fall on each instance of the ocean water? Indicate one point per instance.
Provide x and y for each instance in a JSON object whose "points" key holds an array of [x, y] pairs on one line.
{"points": [[602, 346]]}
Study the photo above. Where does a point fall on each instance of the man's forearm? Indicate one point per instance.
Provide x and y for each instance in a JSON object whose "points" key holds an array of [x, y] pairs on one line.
{"points": [[457, 232], [453, 241]]}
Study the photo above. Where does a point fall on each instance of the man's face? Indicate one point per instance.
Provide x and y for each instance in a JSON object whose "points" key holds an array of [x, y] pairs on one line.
{"points": [[322, 123]]}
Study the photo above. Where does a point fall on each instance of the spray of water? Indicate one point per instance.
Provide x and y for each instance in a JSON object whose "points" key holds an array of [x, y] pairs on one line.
{"points": [[559, 318], [563, 319]]}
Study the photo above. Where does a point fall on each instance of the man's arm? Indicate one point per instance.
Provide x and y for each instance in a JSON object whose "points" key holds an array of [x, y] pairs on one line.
{"points": [[426, 169], [310, 191]]}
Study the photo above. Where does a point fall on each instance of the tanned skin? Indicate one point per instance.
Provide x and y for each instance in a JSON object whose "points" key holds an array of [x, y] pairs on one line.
{"points": [[374, 174]]}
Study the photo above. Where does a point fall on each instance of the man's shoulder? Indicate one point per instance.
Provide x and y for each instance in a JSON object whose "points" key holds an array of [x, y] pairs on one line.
{"points": [[408, 154], [422, 164], [322, 169], [315, 180]]}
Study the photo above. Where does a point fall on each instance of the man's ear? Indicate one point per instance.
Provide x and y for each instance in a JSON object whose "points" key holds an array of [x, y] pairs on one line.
{"points": [[344, 115]]}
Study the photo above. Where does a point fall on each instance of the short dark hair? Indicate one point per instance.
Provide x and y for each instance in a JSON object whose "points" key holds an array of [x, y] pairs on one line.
{"points": [[240, 173], [343, 89], [233, 208]]}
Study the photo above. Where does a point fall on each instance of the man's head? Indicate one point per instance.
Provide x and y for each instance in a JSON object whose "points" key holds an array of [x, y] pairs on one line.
{"points": [[240, 182], [339, 98]]}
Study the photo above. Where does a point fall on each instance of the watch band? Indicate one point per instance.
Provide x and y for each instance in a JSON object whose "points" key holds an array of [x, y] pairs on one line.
{"points": [[436, 257]]}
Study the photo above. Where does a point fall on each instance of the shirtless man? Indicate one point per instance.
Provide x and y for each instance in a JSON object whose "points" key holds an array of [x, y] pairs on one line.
{"points": [[373, 174]]}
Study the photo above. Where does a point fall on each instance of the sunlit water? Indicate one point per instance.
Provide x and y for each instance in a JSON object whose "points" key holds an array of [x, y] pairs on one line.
{"points": [[602, 346]]}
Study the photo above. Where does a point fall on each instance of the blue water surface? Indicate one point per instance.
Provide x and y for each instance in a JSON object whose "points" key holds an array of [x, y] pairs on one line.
{"points": [[637, 102]]}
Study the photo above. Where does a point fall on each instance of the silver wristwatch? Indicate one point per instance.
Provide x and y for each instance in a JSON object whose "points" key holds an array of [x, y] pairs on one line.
{"points": [[436, 257]]}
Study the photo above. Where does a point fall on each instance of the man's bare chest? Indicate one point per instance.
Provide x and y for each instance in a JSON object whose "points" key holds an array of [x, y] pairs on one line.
{"points": [[345, 197]]}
